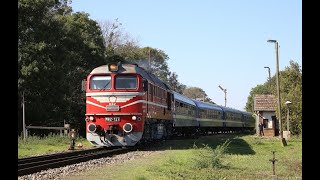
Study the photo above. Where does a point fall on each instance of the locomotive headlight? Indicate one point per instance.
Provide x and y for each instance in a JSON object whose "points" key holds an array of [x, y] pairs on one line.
{"points": [[91, 118], [127, 127], [113, 67], [92, 127], [134, 118]]}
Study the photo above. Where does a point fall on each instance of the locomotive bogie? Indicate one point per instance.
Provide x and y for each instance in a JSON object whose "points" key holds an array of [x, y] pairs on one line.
{"points": [[128, 139]]}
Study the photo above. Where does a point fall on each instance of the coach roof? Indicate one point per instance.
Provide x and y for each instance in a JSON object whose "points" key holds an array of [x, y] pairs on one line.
{"points": [[206, 105], [183, 98], [228, 109]]}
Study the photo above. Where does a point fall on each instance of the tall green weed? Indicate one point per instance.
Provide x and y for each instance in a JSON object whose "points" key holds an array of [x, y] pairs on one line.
{"points": [[207, 157]]}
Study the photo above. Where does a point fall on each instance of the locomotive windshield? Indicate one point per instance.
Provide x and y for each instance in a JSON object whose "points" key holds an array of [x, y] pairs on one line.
{"points": [[126, 82], [100, 82]]}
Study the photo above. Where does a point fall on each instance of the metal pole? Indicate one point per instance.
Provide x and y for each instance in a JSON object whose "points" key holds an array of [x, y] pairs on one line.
{"points": [[23, 117], [283, 141], [149, 60], [269, 78], [288, 113], [225, 98], [225, 95], [273, 160], [273, 165]]}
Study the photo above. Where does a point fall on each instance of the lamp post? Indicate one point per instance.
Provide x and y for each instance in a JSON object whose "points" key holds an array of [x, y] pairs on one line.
{"points": [[283, 141], [288, 113], [269, 80], [225, 95]]}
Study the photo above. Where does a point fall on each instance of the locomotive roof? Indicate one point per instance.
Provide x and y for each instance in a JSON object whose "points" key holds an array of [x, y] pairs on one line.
{"points": [[183, 98], [206, 105], [131, 68]]}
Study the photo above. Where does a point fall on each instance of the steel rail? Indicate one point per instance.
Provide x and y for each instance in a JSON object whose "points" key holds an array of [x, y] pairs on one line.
{"points": [[39, 163]]}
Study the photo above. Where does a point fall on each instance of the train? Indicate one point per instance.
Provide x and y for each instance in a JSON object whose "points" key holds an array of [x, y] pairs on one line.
{"points": [[127, 105]]}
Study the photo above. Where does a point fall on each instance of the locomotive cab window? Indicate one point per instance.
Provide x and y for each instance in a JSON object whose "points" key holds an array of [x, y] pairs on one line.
{"points": [[100, 82], [126, 82]]}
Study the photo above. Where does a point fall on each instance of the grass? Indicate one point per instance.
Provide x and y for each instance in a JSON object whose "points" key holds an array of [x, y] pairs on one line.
{"points": [[214, 157], [35, 145]]}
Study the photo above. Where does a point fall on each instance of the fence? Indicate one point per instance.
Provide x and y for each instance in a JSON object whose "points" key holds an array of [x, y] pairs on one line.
{"points": [[66, 129]]}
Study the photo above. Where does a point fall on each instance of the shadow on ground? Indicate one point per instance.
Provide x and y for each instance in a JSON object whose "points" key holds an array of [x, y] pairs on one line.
{"points": [[237, 144]]}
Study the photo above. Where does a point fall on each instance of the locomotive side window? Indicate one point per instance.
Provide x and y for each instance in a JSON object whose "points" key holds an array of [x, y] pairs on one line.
{"points": [[126, 82], [100, 82]]}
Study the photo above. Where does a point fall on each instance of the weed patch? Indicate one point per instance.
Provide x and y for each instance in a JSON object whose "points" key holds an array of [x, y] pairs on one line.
{"points": [[207, 157]]}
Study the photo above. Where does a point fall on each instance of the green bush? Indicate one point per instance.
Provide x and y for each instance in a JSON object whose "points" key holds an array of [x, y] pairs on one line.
{"points": [[207, 157]]}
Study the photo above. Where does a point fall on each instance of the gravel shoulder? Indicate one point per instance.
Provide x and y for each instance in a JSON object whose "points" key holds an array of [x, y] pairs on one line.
{"points": [[75, 169]]}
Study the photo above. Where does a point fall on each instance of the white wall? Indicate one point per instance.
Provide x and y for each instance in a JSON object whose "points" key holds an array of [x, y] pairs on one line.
{"points": [[267, 115]]}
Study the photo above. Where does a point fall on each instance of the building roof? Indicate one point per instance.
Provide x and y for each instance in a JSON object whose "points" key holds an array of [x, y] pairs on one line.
{"points": [[265, 102]]}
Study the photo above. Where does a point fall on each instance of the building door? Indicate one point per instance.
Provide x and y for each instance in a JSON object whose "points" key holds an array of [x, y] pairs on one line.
{"points": [[265, 123], [276, 125]]}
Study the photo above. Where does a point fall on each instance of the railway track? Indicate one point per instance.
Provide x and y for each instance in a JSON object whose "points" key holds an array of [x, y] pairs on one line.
{"points": [[35, 164], [38, 163]]}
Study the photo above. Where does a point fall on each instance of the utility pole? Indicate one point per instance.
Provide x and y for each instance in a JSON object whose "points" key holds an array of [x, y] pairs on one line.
{"points": [[283, 141], [225, 95]]}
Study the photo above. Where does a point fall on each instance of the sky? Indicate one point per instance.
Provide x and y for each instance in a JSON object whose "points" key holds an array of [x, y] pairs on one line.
{"points": [[211, 42]]}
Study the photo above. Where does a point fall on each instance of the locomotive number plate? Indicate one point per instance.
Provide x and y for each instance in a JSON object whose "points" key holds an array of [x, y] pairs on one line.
{"points": [[113, 119]]}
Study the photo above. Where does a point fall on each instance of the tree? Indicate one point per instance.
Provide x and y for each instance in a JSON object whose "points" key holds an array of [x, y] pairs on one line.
{"points": [[120, 46], [197, 93], [175, 84], [259, 89], [291, 89], [56, 50]]}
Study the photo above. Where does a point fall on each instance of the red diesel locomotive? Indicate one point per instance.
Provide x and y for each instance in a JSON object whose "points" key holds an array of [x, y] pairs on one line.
{"points": [[125, 104]]}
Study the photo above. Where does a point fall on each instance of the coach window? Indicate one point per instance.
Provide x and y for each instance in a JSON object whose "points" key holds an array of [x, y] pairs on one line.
{"points": [[126, 82], [100, 82]]}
